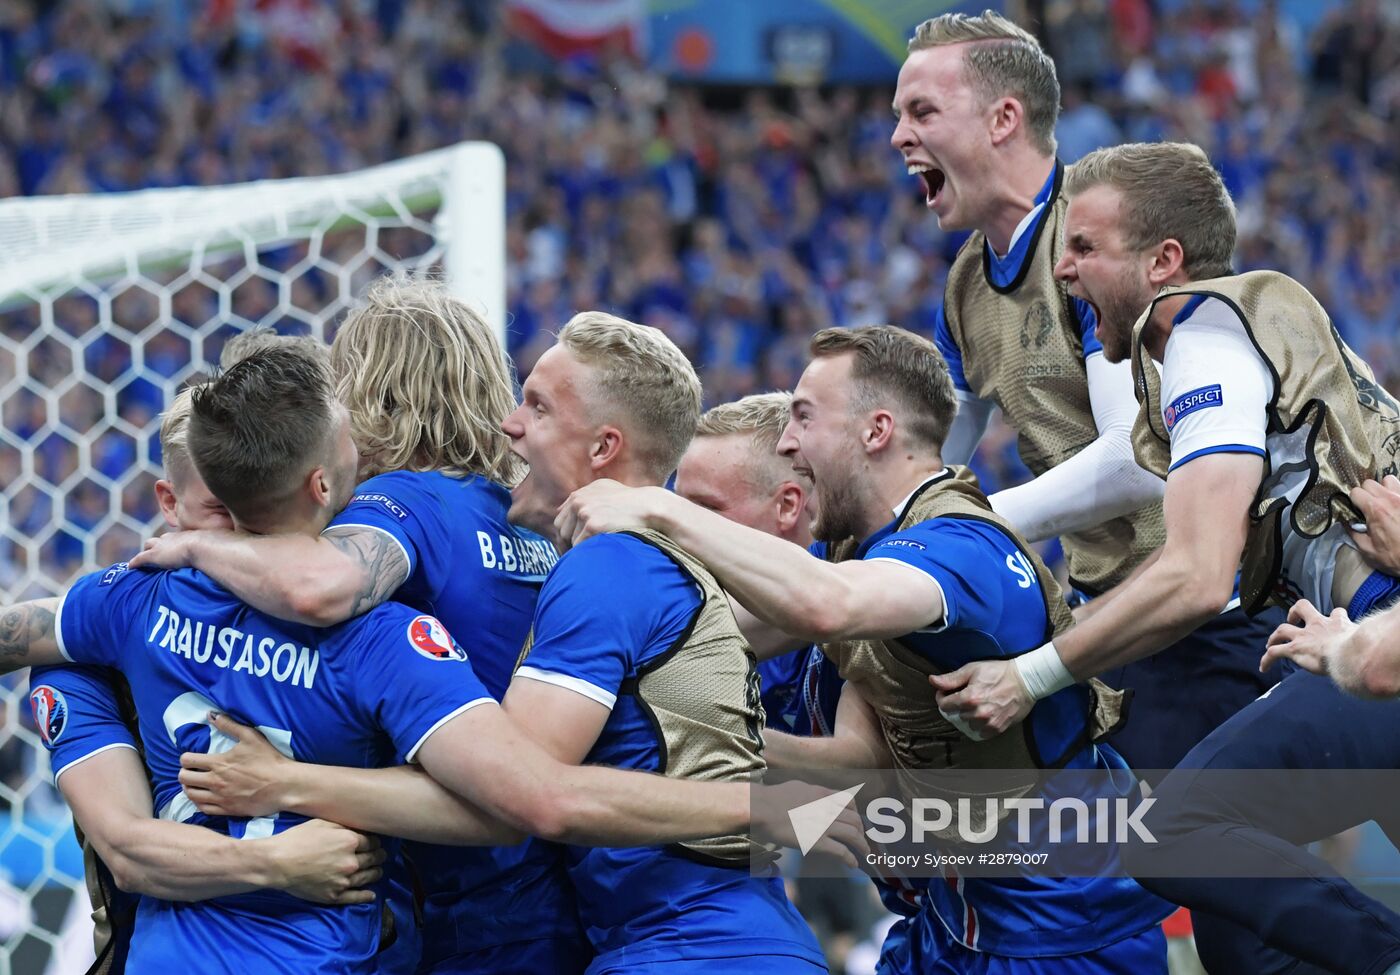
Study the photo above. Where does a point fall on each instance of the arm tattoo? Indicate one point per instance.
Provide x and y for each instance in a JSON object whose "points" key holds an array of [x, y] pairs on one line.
{"points": [[380, 559], [23, 626]]}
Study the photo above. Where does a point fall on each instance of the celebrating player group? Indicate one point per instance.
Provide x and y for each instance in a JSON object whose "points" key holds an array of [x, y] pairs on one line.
{"points": [[428, 677]]}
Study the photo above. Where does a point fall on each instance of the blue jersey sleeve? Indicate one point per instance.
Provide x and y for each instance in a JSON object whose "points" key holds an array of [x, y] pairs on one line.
{"points": [[1088, 322], [77, 713], [609, 603], [413, 676], [94, 615], [398, 505], [943, 338], [964, 559]]}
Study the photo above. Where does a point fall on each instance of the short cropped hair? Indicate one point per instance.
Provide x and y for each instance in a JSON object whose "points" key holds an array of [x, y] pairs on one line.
{"points": [[174, 445], [244, 344], [426, 382], [1001, 60], [761, 417], [895, 367], [257, 429], [641, 372], [1169, 191]]}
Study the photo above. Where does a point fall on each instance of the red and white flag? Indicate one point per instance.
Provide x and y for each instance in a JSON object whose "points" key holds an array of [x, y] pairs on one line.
{"points": [[564, 28]]}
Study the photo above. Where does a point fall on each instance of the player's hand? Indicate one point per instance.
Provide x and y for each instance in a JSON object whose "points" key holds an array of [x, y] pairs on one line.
{"points": [[246, 780], [844, 840], [982, 699], [1379, 504], [606, 506], [1309, 639], [169, 551], [325, 863]]}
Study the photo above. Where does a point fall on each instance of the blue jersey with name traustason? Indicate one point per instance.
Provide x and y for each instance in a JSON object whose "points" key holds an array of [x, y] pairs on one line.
{"points": [[481, 576], [366, 693], [613, 605], [993, 607]]}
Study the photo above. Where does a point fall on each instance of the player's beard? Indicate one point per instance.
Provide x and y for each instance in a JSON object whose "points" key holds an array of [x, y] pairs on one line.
{"points": [[1120, 306], [839, 509]]}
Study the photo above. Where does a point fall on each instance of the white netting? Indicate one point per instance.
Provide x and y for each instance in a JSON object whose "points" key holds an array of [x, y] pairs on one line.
{"points": [[108, 304]]}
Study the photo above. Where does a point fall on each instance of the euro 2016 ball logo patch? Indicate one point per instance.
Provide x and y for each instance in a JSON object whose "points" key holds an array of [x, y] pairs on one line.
{"points": [[50, 713], [431, 639]]}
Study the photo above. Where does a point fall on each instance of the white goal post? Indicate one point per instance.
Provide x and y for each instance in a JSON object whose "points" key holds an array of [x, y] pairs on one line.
{"points": [[109, 303]]}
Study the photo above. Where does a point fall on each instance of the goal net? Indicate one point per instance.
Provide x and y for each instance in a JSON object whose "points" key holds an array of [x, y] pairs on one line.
{"points": [[108, 305]]}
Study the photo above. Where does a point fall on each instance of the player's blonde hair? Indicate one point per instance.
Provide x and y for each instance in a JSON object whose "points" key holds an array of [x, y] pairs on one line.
{"points": [[761, 417], [244, 344], [1001, 60], [640, 371], [1170, 191], [174, 439], [895, 367], [426, 383]]}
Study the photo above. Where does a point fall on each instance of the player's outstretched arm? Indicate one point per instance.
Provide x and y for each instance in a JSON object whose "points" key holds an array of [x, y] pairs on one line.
{"points": [[28, 636], [321, 581], [857, 741], [255, 779], [111, 803], [1363, 658], [1100, 482], [485, 757], [1207, 516], [782, 584]]}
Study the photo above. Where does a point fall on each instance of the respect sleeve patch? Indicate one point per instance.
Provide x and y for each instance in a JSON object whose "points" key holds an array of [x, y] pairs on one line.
{"points": [[1188, 403], [394, 507]]}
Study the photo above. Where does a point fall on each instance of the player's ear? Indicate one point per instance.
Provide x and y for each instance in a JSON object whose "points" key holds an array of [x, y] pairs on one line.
{"points": [[165, 497], [1007, 116], [792, 505], [1168, 261], [878, 432], [318, 486], [607, 445]]}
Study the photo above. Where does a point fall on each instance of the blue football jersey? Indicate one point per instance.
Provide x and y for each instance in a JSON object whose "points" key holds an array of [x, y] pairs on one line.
{"points": [[481, 576], [780, 683], [993, 607], [801, 690], [614, 605], [365, 694], [78, 713]]}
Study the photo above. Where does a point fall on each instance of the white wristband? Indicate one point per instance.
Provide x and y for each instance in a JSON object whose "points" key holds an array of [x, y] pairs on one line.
{"points": [[1042, 671]]}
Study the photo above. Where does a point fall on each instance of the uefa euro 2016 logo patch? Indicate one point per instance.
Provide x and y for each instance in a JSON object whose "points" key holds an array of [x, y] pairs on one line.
{"points": [[1188, 403], [431, 639], [50, 713]]}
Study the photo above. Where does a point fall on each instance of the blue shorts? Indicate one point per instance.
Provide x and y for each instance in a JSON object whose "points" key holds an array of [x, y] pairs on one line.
{"points": [[1262, 824], [1141, 954], [545, 956], [1189, 689]]}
